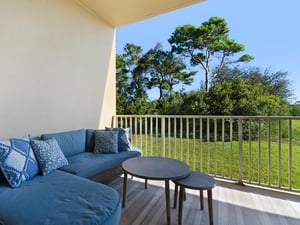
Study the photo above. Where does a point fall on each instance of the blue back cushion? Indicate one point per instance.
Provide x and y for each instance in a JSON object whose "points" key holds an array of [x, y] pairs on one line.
{"points": [[70, 142], [90, 139]]}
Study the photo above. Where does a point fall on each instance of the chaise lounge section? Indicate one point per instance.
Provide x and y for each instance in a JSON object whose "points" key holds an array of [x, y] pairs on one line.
{"points": [[66, 195]]}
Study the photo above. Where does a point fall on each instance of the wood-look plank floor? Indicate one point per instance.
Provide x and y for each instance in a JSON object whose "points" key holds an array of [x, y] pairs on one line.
{"points": [[232, 205]]}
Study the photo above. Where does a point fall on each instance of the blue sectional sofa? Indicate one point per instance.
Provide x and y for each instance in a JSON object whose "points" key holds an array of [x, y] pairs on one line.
{"points": [[64, 195]]}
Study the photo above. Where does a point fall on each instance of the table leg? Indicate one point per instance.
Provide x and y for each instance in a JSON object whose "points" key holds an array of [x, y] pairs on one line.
{"points": [[124, 189], [167, 190], [175, 196], [180, 208], [210, 207], [201, 200]]}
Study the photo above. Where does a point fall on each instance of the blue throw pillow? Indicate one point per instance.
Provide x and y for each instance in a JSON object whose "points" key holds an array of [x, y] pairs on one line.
{"points": [[49, 155], [106, 142], [123, 138], [17, 160]]}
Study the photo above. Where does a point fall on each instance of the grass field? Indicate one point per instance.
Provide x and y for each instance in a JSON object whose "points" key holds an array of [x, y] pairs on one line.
{"points": [[260, 166]]}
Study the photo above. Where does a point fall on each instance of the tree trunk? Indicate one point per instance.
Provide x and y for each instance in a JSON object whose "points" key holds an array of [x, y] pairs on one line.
{"points": [[206, 82]]}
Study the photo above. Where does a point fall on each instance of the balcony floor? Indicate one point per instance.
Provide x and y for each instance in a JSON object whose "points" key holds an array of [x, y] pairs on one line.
{"points": [[232, 205]]}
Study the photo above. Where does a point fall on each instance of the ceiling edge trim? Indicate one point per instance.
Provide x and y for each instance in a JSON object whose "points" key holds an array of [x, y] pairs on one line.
{"points": [[86, 7]]}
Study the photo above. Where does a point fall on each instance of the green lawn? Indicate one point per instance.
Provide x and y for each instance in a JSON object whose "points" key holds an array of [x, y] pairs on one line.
{"points": [[221, 159]]}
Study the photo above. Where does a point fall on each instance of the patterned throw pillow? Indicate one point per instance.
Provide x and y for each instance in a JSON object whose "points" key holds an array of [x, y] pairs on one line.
{"points": [[123, 138], [17, 161], [106, 141], [49, 155]]}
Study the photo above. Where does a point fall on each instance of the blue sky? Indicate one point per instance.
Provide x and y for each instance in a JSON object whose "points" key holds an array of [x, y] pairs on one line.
{"points": [[269, 30]]}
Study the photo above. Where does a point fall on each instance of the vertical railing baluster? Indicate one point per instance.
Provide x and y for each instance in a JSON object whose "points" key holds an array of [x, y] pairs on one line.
{"points": [[136, 130], [290, 164], [279, 154], [208, 145], [259, 151], [187, 140], [240, 137], [163, 129], [201, 147], [175, 138], [223, 147], [146, 136], [250, 151], [151, 136], [131, 131], [169, 137], [194, 143], [269, 152], [215, 146], [231, 130], [181, 138], [141, 132], [156, 135]]}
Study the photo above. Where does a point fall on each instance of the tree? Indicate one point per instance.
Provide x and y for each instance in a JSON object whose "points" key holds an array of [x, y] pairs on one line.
{"points": [[194, 103], [132, 97], [206, 44], [122, 79], [165, 70], [276, 83], [241, 98]]}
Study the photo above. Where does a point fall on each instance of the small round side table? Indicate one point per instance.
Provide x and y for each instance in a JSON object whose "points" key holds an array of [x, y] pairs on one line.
{"points": [[195, 181]]}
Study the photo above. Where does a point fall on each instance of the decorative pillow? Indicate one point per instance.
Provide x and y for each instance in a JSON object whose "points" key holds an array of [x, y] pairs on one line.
{"points": [[106, 141], [49, 155], [17, 160], [123, 138]]}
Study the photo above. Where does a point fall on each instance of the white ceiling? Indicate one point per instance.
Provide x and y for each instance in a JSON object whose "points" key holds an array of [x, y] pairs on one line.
{"points": [[119, 13]]}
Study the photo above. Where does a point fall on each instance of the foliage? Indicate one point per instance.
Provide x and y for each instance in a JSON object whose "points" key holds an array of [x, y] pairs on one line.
{"points": [[169, 105], [295, 110], [241, 98], [194, 103], [233, 90], [205, 43], [276, 83], [164, 70], [132, 97]]}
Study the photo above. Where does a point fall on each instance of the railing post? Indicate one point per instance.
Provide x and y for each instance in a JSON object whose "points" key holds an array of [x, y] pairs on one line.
{"points": [[240, 180]]}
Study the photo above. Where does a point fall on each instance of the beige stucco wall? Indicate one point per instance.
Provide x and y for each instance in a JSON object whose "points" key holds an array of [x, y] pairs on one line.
{"points": [[57, 68]]}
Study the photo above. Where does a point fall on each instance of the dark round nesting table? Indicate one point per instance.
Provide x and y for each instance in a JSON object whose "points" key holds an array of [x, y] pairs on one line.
{"points": [[195, 181], [155, 168]]}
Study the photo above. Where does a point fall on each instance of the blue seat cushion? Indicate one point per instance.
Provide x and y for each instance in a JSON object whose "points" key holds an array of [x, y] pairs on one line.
{"points": [[59, 198], [70, 142], [89, 164]]}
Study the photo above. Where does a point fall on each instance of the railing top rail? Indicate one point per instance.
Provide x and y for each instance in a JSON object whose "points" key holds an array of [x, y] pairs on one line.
{"points": [[213, 117]]}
